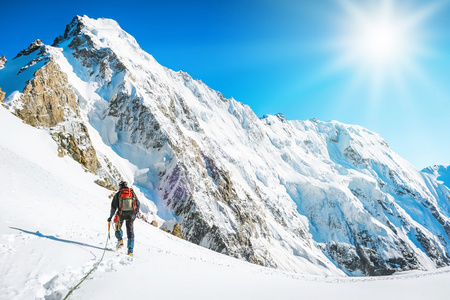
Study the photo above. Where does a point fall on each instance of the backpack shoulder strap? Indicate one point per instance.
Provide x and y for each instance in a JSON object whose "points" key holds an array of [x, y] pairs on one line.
{"points": [[120, 201], [134, 198]]}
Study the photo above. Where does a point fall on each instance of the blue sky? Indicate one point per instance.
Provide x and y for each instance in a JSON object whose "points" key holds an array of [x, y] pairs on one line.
{"points": [[293, 57]]}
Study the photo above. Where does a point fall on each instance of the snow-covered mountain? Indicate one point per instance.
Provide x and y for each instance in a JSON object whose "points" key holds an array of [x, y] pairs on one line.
{"points": [[306, 196], [440, 173], [52, 234]]}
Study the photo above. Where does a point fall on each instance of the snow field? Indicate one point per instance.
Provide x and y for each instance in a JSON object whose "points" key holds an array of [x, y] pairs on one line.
{"points": [[54, 229]]}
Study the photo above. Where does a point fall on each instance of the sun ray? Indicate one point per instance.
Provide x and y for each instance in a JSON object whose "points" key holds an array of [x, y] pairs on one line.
{"points": [[379, 41]]}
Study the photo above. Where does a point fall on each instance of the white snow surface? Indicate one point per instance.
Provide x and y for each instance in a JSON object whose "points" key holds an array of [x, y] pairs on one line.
{"points": [[440, 173], [54, 228]]}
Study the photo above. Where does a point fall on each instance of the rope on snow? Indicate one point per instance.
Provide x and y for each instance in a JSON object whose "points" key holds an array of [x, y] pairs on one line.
{"points": [[92, 270]]}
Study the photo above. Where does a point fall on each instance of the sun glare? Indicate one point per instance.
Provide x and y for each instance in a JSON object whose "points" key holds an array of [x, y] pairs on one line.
{"points": [[379, 41]]}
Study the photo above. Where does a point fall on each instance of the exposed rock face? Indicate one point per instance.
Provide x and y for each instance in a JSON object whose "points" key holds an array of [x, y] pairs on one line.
{"points": [[48, 101], [72, 29], [33, 47], [106, 183], [47, 98], [177, 231], [86, 51], [77, 145], [365, 258], [2, 96], [2, 61]]}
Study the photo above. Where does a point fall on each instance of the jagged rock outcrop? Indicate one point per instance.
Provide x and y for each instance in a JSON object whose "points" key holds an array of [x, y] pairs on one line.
{"points": [[2, 61], [106, 183], [2, 96], [47, 98], [33, 47], [177, 231], [48, 101]]}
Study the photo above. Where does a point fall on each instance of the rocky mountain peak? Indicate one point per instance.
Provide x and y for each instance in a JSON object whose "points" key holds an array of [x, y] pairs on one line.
{"points": [[281, 117], [33, 47], [99, 42], [105, 29], [72, 29]]}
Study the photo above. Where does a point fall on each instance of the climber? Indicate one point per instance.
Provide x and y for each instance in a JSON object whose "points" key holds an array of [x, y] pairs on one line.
{"points": [[127, 205]]}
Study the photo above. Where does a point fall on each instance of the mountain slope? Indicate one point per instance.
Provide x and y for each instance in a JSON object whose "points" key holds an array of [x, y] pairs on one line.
{"points": [[53, 234], [441, 173], [306, 196]]}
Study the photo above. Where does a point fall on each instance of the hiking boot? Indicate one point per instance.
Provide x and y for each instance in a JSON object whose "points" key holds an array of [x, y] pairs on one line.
{"points": [[119, 244]]}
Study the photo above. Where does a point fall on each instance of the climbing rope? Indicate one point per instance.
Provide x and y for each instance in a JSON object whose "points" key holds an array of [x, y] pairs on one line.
{"points": [[92, 270]]}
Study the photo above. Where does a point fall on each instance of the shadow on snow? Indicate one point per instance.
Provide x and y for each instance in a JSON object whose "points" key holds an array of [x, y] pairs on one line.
{"points": [[37, 233]]}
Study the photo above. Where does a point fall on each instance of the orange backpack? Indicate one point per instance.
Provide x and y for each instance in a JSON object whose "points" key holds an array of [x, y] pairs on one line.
{"points": [[127, 200]]}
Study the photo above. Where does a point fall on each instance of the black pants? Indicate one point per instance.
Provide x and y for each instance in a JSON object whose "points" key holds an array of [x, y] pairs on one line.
{"points": [[130, 229]]}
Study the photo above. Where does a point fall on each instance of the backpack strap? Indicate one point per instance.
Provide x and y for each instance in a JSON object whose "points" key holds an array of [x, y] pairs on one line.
{"points": [[134, 200], [120, 202]]}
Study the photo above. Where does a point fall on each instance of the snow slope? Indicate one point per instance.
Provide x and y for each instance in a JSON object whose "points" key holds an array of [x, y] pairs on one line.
{"points": [[54, 229], [441, 173]]}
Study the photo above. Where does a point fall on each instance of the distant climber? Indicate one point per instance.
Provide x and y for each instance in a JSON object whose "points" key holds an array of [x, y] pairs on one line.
{"points": [[127, 205]]}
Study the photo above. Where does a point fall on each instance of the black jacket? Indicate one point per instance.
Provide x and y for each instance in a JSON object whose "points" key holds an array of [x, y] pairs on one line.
{"points": [[115, 203]]}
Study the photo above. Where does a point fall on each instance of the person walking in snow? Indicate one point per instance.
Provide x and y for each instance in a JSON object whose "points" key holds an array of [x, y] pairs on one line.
{"points": [[127, 205]]}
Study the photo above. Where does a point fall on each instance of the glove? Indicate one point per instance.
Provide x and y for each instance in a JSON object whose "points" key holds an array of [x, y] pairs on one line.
{"points": [[109, 219]]}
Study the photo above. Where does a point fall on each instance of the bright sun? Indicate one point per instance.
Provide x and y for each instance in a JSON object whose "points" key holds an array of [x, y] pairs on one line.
{"points": [[377, 38], [379, 41]]}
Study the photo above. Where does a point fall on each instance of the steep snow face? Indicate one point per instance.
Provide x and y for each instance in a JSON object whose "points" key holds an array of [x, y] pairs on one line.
{"points": [[369, 209], [307, 196], [440, 173]]}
